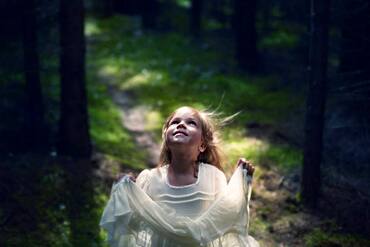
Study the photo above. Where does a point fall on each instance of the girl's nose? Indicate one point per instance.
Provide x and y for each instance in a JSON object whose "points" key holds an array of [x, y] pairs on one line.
{"points": [[181, 125]]}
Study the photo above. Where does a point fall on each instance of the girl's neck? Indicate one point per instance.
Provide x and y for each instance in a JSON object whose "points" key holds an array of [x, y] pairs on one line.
{"points": [[182, 164]]}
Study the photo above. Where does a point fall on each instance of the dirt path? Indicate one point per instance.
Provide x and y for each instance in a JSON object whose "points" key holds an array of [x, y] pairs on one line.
{"points": [[133, 119]]}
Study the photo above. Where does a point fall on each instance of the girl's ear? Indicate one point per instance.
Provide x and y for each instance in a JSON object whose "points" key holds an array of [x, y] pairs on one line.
{"points": [[202, 148]]}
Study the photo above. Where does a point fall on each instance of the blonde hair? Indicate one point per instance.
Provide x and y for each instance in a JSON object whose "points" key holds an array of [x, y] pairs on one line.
{"points": [[210, 124]]}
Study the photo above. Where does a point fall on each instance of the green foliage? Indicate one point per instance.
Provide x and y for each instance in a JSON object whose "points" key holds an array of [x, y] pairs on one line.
{"points": [[184, 3], [320, 238], [279, 32], [280, 38], [258, 227]]}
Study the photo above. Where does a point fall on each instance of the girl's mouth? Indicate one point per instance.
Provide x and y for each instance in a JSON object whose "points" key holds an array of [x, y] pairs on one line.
{"points": [[179, 133]]}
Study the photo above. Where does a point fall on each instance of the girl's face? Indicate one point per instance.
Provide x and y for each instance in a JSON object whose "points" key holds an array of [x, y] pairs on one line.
{"points": [[184, 129]]}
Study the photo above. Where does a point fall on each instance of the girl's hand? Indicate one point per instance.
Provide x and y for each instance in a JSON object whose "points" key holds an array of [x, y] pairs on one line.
{"points": [[246, 165], [130, 175]]}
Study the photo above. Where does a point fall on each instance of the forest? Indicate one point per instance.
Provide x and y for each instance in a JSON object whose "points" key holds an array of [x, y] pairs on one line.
{"points": [[86, 86]]}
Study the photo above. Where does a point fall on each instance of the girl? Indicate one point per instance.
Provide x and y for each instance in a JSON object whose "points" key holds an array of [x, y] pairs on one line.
{"points": [[186, 201]]}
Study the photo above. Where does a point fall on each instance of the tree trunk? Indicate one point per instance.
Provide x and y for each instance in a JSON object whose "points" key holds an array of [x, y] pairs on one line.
{"points": [[196, 17], [246, 35], [315, 105], [74, 138], [355, 51], [149, 14], [35, 131]]}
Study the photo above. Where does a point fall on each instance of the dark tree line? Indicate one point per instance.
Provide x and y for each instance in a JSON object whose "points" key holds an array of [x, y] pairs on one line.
{"points": [[73, 140]]}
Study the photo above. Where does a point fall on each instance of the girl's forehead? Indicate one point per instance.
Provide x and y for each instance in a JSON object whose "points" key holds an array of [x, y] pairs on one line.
{"points": [[186, 112]]}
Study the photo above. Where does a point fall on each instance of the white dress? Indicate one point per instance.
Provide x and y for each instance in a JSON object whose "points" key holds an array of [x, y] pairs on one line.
{"points": [[151, 212]]}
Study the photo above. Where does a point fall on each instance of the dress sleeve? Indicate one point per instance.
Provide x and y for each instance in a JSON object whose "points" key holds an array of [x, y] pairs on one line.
{"points": [[143, 179], [220, 182]]}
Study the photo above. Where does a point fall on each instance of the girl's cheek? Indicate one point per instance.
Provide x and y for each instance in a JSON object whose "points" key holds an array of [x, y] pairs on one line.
{"points": [[166, 135]]}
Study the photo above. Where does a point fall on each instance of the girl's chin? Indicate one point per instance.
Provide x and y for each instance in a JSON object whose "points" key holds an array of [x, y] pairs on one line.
{"points": [[178, 141]]}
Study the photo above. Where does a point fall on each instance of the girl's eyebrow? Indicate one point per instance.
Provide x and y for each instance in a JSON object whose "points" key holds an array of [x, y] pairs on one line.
{"points": [[189, 118]]}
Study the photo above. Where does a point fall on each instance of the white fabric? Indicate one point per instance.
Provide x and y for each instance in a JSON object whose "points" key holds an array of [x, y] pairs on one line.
{"points": [[151, 212]]}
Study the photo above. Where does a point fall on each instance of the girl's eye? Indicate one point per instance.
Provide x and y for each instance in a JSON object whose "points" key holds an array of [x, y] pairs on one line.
{"points": [[189, 122], [192, 122]]}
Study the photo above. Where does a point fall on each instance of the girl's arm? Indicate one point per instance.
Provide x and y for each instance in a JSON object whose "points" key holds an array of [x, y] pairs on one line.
{"points": [[129, 175]]}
